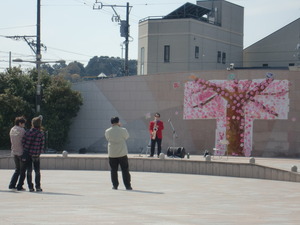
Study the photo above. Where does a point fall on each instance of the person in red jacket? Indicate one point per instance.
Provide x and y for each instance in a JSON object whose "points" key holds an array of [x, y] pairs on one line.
{"points": [[155, 128]]}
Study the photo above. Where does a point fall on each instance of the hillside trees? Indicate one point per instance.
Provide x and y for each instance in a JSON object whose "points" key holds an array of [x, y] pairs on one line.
{"points": [[109, 66], [74, 71]]}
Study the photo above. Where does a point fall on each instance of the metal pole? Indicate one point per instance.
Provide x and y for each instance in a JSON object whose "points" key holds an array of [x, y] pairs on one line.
{"points": [[122, 48], [9, 60], [38, 56], [174, 132], [127, 40]]}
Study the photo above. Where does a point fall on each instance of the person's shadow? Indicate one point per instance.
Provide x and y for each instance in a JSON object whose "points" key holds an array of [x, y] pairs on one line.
{"points": [[39, 192], [146, 192]]}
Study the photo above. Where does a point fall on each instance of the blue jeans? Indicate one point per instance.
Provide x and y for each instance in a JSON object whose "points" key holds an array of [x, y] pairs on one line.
{"points": [[35, 162], [114, 165], [20, 170]]}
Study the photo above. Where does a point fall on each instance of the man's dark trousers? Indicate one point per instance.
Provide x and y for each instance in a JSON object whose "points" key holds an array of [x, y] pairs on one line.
{"points": [[114, 165]]}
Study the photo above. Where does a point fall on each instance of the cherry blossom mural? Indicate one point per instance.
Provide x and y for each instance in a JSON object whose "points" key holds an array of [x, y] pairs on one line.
{"points": [[235, 104]]}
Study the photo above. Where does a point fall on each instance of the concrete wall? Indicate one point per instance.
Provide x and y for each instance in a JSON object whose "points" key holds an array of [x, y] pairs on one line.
{"points": [[135, 100], [183, 166]]}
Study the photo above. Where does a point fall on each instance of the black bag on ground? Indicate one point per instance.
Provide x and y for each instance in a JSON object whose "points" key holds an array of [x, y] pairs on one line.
{"points": [[176, 152]]}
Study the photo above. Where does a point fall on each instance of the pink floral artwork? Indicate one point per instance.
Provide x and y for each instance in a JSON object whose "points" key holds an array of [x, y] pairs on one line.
{"points": [[176, 85], [235, 104]]}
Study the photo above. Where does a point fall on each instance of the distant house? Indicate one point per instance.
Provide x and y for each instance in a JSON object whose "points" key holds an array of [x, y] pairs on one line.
{"points": [[101, 76], [206, 36], [279, 49]]}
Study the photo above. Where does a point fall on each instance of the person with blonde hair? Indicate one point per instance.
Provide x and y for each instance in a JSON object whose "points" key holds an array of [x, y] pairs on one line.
{"points": [[33, 144]]}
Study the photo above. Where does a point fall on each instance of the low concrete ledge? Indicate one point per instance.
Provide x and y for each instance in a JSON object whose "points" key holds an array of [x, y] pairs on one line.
{"points": [[168, 165]]}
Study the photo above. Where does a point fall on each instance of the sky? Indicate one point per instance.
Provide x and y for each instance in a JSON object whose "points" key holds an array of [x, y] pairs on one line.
{"points": [[72, 30]]}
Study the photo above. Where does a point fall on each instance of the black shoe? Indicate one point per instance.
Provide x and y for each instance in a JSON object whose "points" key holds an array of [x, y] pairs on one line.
{"points": [[115, 188], [128, 188], [21, 189], [150, 155], [12, 188], [31, 189], [39, 189]]}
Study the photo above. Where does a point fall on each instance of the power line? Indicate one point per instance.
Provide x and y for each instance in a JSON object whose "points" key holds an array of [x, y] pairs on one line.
{"points": [[66, 51], [16, 27]]}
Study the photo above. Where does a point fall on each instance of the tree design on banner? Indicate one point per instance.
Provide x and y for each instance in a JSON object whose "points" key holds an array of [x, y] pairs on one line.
{"points": [[235, 104]]}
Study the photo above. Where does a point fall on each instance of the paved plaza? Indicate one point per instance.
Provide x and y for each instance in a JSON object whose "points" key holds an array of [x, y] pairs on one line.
{"points": [[85, 197]]}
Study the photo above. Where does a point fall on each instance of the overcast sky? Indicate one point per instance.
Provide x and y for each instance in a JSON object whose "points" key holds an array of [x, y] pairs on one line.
{"points": [[73, 31]]}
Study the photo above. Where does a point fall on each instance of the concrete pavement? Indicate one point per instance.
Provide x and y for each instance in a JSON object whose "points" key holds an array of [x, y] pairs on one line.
{"points": [[85, 198]]}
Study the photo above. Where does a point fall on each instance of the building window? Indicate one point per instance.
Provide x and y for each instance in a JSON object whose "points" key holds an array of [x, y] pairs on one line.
{"points": [[223, 57], [196, 52], [265, 65], [291, 64], [219, 57], [167, 53], [142, 60]]}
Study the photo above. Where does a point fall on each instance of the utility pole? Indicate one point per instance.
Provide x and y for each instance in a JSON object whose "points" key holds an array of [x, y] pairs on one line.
{"points": [[38, 56], [28, 38], [36, 48], [124, 29], [127, 40]]}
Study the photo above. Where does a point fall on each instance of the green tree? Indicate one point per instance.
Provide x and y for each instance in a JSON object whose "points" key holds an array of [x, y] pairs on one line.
{"points": [[111, 66], [11, 106], [17, 97], [60, 105], [53, 69]]}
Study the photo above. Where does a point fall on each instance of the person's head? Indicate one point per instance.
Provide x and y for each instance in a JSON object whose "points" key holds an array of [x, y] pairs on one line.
{"points": [[20, 121], [157, 115], [114, 120], [36, 122]]}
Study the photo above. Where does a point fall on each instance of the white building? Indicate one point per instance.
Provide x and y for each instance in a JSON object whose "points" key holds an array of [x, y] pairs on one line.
{"points": [[206, 36], [279, 49]]}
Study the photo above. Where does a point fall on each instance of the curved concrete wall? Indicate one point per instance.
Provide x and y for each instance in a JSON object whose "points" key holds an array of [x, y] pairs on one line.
{"points": [[135, 100], [169, 165]]}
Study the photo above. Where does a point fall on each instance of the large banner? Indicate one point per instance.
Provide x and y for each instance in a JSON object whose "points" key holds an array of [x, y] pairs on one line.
{"points": [[235, 104]]}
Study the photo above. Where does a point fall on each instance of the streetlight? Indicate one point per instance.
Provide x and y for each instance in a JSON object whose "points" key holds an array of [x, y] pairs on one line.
{"points": [[38, 87], [41, 62]]}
